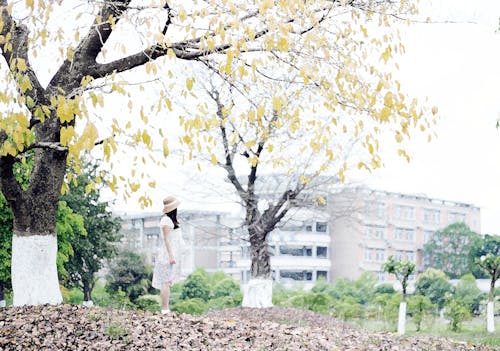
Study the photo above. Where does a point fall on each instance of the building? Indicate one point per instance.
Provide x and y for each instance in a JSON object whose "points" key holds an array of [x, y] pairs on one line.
{"points": [[369, 226], [355, 232]]}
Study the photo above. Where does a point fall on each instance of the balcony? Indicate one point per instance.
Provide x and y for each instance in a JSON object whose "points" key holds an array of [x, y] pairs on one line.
{"points": [[299, 238]]}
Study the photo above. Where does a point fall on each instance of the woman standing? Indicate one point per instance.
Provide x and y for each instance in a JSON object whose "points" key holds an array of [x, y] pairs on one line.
{"points": [[166, 270]]}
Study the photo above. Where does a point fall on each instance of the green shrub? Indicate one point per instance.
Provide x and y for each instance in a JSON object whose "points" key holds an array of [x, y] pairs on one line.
{"points": [[148, 303], [281, 295], [347, 308], [387, 307], [224, 302], [194, 306], [196, 286], [226, 287], [456, 311], [419, 307], [385, 288]]}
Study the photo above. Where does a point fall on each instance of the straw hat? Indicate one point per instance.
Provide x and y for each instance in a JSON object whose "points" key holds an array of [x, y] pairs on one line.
{"points": [[170, 203]]}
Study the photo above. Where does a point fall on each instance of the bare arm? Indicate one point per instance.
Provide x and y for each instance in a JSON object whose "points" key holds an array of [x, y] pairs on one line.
{"points": [[166, 234]]}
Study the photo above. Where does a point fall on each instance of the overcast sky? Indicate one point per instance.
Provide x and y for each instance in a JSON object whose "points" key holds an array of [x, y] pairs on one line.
{"points": [[457, 65], [455, 62]]}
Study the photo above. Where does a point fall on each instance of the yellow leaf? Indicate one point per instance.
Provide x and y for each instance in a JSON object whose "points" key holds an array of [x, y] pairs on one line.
{"points": [[214, 159], [434, 110], [21, 65], [189, 83]]}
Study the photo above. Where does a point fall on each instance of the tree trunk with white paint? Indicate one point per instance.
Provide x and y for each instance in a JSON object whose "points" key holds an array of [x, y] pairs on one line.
{"points": [[34, 270], [490, 317], [402, 318]]}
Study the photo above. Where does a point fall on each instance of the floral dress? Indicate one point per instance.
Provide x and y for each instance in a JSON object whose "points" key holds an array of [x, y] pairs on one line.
{"points": [[163, 271]]}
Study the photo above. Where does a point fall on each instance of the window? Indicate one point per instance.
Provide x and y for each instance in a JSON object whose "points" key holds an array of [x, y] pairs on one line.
{"points": [[380, 255], [410, 256], [456, 217], [321, 227], [404, 212], [296, 250], [410, 234], [398, 234], [309, 228], [397, 212], [322, 275], [437, 216], [380, 276], [368, 254], [321, 251], [374, 231], [432, 216], [376, 209], [296, 275], [399, 255]]}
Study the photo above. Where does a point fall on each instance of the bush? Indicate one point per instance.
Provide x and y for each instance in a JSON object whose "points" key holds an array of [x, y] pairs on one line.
{"points": [[281, 295], [148, 303], [72, 296], [387, 307], [419, 307], [226, 287], [468, 292], [196, 286], [456, 311], [194, 306], [224, 302], [434, 284], [347, 308], [385, 288]]}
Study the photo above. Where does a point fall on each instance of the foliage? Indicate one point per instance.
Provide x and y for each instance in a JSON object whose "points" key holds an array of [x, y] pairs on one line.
{"points": [[313, 301], [194, 306], [148, 303], [69, 228], [347, 308], [434, 284], [419, 307], [5, 241], [101, 228], [457, 312], [387, 307], [401, 269], [196, 286], [224, 302], [361, 289], [384, 288], [226, 287], [450, 249], [130, 274], [467, 291], [489, 260]]}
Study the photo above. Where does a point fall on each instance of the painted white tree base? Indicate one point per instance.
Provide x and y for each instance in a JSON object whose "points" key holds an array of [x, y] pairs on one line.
{"points": [[490, 318], [89, 303], [34, 270], [258, 293], [3, 303], [402, 318]]}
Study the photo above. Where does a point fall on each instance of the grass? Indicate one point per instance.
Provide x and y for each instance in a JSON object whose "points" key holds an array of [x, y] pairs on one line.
{"points": [[472, 331]]}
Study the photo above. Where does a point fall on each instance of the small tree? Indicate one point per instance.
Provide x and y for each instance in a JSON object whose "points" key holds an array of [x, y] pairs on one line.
{"points": [[468, 292], [129, 273], [434, 284], [457, 312], [102, 233], [490, 262], [419, 306], [402, 270], [196, 286]]}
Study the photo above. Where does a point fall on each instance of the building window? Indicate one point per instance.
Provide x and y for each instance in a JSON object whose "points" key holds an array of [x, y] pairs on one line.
{"points": [[456, 217], [374, 231], [297, 275], [309, 228], [398, 234], [410, 256], [322, 275], [404, 234], [410, 234], [380, 255], [321, 251], [380, 276], [321, 227], [368, 254], [296, 250], [404, 212], [432, 216]]}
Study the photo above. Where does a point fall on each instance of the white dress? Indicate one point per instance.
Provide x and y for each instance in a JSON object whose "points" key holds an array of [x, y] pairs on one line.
{"points": [[163, 270]]}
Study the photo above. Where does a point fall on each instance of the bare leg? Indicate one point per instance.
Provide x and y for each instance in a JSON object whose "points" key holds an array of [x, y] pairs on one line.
{"points": [[165, 296]]}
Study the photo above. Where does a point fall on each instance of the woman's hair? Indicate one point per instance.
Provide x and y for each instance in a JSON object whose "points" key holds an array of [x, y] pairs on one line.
{"points": [[173, 216]]}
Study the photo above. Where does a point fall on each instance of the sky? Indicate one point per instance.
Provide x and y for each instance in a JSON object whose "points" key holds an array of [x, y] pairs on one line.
{"points": [[453, 60]]}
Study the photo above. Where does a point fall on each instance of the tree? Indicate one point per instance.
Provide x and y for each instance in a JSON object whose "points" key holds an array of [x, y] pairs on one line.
{"points": [[489, 261], [419, 306], [449, 249], [5, 248], [402, 271], [55, 116], [130, 274], [434, 284], [90, 251], [467, 292]]}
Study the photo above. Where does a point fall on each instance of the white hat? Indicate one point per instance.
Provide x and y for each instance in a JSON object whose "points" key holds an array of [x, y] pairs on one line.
{"points": [[170, 203]]}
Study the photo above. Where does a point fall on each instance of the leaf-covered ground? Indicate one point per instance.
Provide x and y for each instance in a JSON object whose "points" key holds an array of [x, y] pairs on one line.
{"points": [[68, 327]]}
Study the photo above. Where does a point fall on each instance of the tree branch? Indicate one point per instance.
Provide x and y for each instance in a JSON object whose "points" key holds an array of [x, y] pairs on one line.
{"points": [[9, 186]]}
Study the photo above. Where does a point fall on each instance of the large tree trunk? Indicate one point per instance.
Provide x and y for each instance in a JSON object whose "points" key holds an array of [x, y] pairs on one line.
{"points": [[258, 292], [34, 243]]}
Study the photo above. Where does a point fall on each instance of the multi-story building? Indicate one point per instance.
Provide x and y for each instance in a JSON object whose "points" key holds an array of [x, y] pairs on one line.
{"points": [[369, 226], [355, 232]]}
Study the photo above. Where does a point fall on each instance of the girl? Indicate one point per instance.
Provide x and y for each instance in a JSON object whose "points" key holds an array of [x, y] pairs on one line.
{"points": [[166, 270]]}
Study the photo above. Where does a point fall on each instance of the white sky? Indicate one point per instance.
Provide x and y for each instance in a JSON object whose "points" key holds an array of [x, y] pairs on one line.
{"points": [[457, 65]]}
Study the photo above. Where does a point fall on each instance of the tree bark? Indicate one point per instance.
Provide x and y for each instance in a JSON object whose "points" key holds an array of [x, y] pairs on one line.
{"points": [[87, 290], [261, 260]]}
